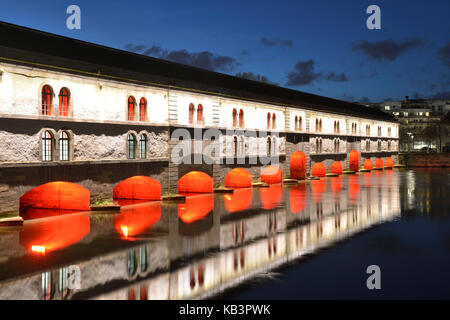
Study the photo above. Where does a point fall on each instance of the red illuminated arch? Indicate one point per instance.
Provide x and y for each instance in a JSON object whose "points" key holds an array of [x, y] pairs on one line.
{"points": [[138, 188], [47, 97], [318, 170], [368, 165], [271, 197], [297, 198], [191, 113], [238, 178], [336, 167], [271, 175], [298, 165], [379, 163], [354, 160], [195, 208], [131, 106], [389, 162], [234, 117], [135, 219], [241, 118], [239, 200], [64, 96], [143, 109], [57, 195], [199, 113], [195, 182], [44, 235]]}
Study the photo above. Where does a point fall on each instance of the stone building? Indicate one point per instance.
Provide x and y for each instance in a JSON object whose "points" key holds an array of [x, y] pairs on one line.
{"points": [[77, 111]]}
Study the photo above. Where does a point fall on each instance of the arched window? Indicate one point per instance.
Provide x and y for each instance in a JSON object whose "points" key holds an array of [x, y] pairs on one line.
{"points": [[63, 146], [47, 146], [234, 117], [143, 109], [235, 146], [379, 145], [317, 145], [143, 263], [131, 105], [143, 146], [269, 146], [296, 123], [335, 127], [274, 121], [389, 131], [47, 97], [368, 145], [338, 129], [131, 146], [241, 118], [200, 114], [191, 113], [64, 97], [320, 145], [389, 145], [317, 125], [268, 120], [300, 120], [320, 125]]}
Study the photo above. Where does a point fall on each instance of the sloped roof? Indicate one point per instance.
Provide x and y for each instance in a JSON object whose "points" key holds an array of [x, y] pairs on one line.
{"points": [[28, 46]]}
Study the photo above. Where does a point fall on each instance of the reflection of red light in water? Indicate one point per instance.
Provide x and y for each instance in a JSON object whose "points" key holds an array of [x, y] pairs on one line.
{"points": [[195, 182], [298, 165], [135, 219], [336, 184], [336, 167], [354, 160], [367, 179], [29, 213], [389, 162], [368, 165], [317, 188], [138, 187], [239, 200], [56, 195], [271, 175], [353, 187], [318, 170], [379, 163], [238, 178], [271, 197], [297, 198], [49, 234], [195, 208]]}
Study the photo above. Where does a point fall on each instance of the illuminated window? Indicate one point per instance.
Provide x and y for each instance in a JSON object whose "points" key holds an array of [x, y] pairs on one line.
{"points": [[143, 110], [200, 114], [274, 121], [131, 146], [64, 97], [143, 258], [300, 120], [47, 146], [143, 146], [268, 120], [46, 286], [131, 105], [234, 117], [296, 123], [47, 97], [320, 125], [241, 118], [191, 113], [64, 146]]}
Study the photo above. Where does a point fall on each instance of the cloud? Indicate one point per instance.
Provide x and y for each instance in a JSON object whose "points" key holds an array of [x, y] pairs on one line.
{"points": [[205, 59], [444, 55], [254, 77], [304, 74], [385, 49], [276, 42]]}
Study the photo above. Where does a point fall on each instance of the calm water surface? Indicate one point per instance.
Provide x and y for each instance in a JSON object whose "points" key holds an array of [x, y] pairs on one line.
{"points": [[313, 240]]}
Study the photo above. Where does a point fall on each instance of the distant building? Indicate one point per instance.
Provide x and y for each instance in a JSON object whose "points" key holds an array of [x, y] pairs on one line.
{"points": [[420, 122]]}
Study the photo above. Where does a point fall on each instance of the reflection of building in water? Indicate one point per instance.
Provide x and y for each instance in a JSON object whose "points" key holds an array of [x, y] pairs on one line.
{"points": [[230, 248]]}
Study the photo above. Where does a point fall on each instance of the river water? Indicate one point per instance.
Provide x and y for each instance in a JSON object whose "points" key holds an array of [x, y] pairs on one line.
{"points": [[313, 240]]}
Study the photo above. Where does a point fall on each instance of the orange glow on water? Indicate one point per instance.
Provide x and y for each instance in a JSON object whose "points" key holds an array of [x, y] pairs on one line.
{"points": [[238, 178], [353, 187], [318, 170], [318, 187], [336, 167], [297, 198], [354, 160], [368, 165], [195, 208], [56, 195], [298, 165], [135, 219], [195, 182], [138, 187], [55, 233], [367, 179], [271, 175], [271, 197], [379, 163], [239, 200], [336, 184]]}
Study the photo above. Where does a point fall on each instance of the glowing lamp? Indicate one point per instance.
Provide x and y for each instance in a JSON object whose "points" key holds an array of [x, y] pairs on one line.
{"points": [[368, 165], [195, 182], [138, 188], [389, 162], [238, 178], [379, 163], [271, 175], [354, 160], [319, 170], [298, 165], [336, 167]]}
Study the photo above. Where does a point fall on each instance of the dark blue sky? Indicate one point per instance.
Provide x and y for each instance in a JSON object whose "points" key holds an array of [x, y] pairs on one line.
{"points": [[320, 46]]}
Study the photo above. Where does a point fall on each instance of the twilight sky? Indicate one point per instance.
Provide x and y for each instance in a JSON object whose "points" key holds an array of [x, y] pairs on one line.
{"points": [[321, 46]]}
